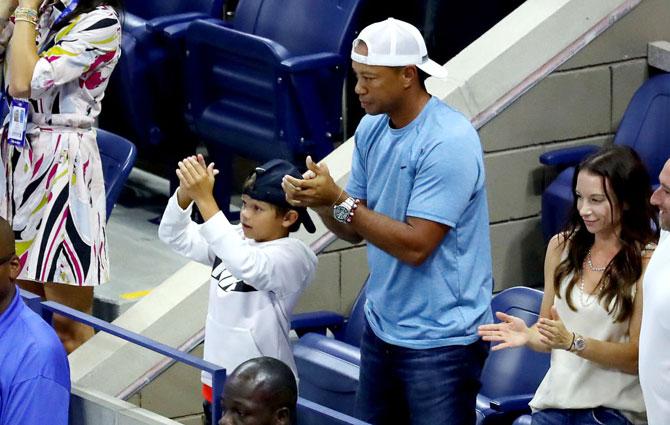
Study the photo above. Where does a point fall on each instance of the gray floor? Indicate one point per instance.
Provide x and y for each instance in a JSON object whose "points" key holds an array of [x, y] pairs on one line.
{"points": [[139, 261]]}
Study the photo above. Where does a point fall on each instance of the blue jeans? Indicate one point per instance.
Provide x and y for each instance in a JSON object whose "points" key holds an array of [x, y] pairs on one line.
{"points": [[400, 385], [597, 416]]}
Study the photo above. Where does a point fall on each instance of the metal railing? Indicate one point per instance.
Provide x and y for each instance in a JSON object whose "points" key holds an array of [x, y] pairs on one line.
{"points": [[46, 309]]}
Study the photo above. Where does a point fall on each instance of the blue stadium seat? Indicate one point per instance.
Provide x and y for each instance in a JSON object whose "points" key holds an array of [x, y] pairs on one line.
{"points": [[328, 367], [511, 376], [118, 157], [269, 85], [145, 101], [150, 9], [645, 127]]}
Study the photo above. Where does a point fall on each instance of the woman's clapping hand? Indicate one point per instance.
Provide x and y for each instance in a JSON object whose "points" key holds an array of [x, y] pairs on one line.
{"points": [[510, 332]]}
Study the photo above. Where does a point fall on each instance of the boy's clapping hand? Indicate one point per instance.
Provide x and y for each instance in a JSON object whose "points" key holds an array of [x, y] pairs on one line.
{"points": [[196, 182]]}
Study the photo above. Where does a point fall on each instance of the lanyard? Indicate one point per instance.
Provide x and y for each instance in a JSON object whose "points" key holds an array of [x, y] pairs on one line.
{"points": [[68, 10], [70, 7]]}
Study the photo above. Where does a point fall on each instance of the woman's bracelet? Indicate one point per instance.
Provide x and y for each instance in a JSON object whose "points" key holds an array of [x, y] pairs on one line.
{"points": [[25, 11], [572, 344], [30, 21], [25, 14], [337, 200]]}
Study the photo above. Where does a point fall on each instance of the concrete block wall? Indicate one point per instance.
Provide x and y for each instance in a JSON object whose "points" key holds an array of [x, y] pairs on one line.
{"points": [[581, 102]]}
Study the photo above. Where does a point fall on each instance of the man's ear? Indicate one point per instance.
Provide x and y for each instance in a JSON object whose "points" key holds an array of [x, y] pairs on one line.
{"points": [[282, 416], [14, 268], [289, 218], [409, 74]]}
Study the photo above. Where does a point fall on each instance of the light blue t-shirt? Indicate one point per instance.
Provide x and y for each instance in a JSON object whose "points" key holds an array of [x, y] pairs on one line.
{"points": [[431, 169]]}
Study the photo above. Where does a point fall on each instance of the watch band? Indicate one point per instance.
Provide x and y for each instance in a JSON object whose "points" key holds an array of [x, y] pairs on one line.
{"points": [[344, 211]]}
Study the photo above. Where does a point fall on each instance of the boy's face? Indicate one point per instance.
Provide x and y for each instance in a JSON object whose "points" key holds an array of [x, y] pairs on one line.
{"points": [[261, 222]]}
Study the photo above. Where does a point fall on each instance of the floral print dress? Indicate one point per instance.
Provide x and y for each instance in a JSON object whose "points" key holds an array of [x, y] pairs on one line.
{"points": [[52, 190]]}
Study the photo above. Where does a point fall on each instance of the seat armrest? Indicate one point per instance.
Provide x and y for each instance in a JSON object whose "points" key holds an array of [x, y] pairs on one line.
{"points": [[134, 25], [515, 403], [567, 157], [331, 347], [211, 35], [178, 31], [310, 62], [157, 25], [316, 321]]}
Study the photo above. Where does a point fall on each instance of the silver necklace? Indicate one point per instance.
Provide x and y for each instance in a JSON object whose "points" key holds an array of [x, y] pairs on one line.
{"points": [[590, 264], [592, 296]]}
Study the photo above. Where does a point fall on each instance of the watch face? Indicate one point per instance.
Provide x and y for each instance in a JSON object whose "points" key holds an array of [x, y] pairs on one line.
{"points": [[580, 343], [340, 213]]}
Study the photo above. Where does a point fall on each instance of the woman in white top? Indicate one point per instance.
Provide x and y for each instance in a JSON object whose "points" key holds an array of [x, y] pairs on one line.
{"points": [[592, 305]]}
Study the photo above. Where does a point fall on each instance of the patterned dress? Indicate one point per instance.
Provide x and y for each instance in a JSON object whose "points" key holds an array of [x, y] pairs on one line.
{"points": [[52, 190]]}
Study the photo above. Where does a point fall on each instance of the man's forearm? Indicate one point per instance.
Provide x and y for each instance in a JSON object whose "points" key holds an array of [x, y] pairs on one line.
{"points": [[411, 242]]}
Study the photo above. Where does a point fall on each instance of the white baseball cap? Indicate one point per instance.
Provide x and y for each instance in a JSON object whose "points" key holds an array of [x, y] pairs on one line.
{"points": [[395, 43]]}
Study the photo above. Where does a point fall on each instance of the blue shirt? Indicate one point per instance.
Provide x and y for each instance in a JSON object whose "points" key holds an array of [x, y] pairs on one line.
{"points": [[34, 372], [432, 169]]}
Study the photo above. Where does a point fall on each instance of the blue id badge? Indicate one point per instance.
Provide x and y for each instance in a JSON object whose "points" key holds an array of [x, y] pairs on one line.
{"points": [[18, 122]]}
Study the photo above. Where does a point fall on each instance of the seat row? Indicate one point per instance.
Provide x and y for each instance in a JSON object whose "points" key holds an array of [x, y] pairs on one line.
{"points": [[328, 367], [266, 84]]}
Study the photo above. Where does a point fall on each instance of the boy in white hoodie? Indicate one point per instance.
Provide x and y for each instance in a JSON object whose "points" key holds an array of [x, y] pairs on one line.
{"points": [[258, 272]]}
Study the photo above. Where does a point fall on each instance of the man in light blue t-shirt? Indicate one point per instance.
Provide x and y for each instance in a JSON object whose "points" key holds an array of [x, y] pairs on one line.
{"points": [[417, 195]]}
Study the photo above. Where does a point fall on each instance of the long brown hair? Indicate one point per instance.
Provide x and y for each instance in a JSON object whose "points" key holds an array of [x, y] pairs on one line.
{"points": [[629, 186]]}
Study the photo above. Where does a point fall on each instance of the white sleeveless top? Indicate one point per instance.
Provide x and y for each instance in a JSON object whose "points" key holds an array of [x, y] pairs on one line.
{"points": [[576, 383]]}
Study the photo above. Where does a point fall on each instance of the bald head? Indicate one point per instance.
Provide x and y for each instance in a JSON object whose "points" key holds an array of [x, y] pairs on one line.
{"points": [[9, 265], [6, 238], [264, 389]]}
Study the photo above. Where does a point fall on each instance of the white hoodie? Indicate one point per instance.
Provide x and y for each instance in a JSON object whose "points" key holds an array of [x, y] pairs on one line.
{"points": [[253, 288]]}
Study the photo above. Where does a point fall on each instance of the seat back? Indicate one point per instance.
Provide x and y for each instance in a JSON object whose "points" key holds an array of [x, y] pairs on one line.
{"points": [[233, 91], [307, 26], [118, 157], [353, 331], [149, 9], [518, 370], [329, 367], [645, 126], [246, 97]]}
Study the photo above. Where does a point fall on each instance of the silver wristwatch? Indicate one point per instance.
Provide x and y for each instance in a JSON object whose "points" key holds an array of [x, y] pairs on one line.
{"points": [[342, 211]]}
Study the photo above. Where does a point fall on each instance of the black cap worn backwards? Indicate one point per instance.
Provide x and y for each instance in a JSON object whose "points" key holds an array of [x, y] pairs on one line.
{"points": [[267, 187]]}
